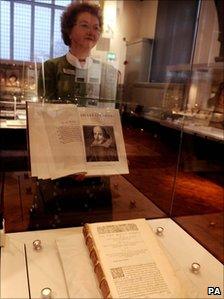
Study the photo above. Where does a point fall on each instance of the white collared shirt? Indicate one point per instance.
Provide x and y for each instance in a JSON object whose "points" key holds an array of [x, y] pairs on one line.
{"points": [[75, 62]]}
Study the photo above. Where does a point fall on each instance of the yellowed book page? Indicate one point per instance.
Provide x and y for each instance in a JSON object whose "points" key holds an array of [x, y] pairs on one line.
{"points": [[103, 141], [80, 279], [16, 123], [40, 155], [133, 263], [65, 139]]}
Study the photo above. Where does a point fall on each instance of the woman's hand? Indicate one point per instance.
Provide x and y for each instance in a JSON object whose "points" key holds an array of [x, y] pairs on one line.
{"points": [[78, 176]]}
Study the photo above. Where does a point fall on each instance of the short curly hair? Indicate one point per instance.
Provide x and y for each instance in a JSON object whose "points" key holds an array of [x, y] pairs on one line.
{"points": [[70, 15]]}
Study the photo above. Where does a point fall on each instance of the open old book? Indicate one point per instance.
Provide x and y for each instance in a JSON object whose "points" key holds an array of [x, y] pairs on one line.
{"points": [[128, 261], [65, 139]]}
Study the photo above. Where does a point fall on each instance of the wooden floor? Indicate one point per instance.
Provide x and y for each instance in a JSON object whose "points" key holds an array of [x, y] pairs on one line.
{"points": [[189, 188], [164, 180]]}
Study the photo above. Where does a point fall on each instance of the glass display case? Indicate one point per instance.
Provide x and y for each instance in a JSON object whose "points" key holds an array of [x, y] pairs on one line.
{"points": [[182, 118], [18, 85]]}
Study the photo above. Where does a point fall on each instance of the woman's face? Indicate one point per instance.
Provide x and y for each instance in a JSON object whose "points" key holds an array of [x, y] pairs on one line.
{"points": [[86, 31]]}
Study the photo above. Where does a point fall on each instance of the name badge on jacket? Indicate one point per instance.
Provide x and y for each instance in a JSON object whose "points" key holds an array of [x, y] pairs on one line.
{"points": [[68, 71]]}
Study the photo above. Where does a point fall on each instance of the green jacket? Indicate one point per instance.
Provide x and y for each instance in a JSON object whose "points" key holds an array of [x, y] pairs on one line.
{"points": [[60, 83]]}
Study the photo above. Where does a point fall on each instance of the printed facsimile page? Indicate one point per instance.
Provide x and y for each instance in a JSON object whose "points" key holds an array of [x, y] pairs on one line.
{"points": [[132, 262], [65, 139]]}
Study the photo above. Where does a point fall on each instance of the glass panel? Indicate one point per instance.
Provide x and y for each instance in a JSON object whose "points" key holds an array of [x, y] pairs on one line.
{"points": [[62, 2], [44, 1], [22, 25], [150, 108], [29, 72], [42, 33], [59, 46], [198, 197], [142, 193], [5, 30]]}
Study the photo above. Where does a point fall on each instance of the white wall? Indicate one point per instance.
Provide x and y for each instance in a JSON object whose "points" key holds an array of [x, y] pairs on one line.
{"points": [[134, 19], [148, 18], [207, 45]]}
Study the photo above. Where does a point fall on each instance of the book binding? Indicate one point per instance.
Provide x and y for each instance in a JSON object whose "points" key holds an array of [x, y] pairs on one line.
{"points": [[103, 284]]}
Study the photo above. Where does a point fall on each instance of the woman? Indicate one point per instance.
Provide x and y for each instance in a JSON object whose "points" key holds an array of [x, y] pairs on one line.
{"points": [[71, 76], [65, 80]]}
